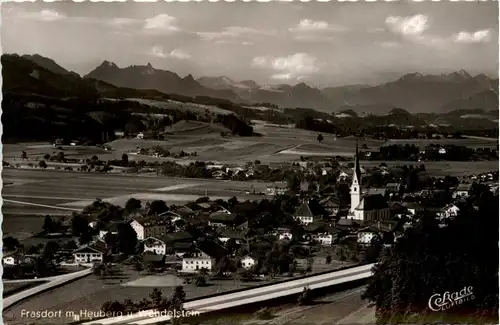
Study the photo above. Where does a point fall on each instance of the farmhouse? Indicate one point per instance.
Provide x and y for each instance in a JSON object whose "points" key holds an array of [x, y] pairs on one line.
{"points": [[462, 191], [17, 259], [204, 256], [449, 211], [111, 228], [304, 214], [148, 227], [332, 205], [175, 242], [221, 219], [89, 254]]}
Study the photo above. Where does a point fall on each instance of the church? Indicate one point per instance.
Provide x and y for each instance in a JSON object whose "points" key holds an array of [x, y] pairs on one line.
{"points": [[366, 207]]}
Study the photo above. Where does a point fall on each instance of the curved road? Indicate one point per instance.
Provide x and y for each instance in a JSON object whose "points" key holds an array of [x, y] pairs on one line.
{"points": [[56, 281], [248, 296]]}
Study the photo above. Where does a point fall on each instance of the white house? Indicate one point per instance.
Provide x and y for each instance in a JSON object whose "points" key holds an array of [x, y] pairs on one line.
{"points": [[365, 237], [304, 214], [324, 239], [111, 228], [148, 227], [248, 261], [462, 191], [449, 211], [140, 135], [442, 151], [16, 259], [204, 256], [88, 254], [155, 246]]}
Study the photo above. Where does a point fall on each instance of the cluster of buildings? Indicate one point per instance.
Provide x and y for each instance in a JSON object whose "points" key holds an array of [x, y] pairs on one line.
{"points": [[371, 212]]}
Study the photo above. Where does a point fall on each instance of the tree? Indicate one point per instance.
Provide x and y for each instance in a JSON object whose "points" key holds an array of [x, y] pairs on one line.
{"points": [[10, 243], [156, 297], [305, 298], [200, 281], [132, 205], [50, 250], [46, 156], [48, 224], [24, 155], [320, 138], [42, 164], [157, 207], [125, 159], [423, 262], [112, 307], [60, 156], [127, 239], [328, 259]]}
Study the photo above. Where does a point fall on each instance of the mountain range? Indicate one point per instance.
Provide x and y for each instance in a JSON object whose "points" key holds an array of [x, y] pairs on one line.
{"points": [[414, 92]]}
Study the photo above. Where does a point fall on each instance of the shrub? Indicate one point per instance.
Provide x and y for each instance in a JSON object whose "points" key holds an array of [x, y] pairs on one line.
{"points": [[264, 313]]}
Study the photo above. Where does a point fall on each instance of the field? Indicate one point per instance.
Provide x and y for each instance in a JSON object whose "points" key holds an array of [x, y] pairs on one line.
{"points": [[34, 193], [90, 293]]}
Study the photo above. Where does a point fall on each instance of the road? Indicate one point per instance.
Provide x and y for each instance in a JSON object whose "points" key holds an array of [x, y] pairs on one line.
{"points": [[250, 296], [55, 281], [32, 193]]}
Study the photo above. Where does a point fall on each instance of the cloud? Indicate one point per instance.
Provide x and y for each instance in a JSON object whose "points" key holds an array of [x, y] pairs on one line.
{"points": [[480, 36], [122, 22], [295, 66], [45, 15], [161, 23], [388, 44], [233, 32], [179, 54], [310, 30], [412, 25], [308, 25]]}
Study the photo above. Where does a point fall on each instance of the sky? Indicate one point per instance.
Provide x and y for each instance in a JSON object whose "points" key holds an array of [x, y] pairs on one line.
{"points": [[322, 44]]}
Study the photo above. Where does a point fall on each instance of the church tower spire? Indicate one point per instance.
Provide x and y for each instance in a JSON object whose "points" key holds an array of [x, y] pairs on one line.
{"points": [[356, 182]]}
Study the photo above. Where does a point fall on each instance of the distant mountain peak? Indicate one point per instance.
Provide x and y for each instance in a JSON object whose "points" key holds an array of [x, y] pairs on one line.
{"points": [[108, 64], [189, 77]]}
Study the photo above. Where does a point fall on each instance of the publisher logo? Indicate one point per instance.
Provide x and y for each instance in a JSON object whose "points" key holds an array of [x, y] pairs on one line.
{"points": [[440, 302]]}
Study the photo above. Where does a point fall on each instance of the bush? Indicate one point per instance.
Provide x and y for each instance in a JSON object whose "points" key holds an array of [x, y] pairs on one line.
{"points": [[200, 281], [264, 313], [305, 298]]}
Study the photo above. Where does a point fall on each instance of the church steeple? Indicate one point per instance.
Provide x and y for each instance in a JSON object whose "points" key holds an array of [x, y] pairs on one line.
{"points": [[357, 169], [356, 182]]}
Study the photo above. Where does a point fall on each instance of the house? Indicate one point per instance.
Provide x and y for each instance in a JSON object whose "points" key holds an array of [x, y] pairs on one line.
{"points": [[398, 210], [328, 191], [326, 170], [325, 239], [204, 256], [462, 191], [304, 214], [175, 242], [170, 215], [277, 190], [221, 219], [219, 174], [283, 233], [225, 235], [248, 261], [16, 258], [442, 151], [89, 254], [380, 228], [332, 205], [149, 226], [140, 136], [450, 210], [393, 188], [111, 228], [413, 208]]}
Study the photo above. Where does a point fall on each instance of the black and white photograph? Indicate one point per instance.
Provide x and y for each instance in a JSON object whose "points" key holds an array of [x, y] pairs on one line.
{"points": [[250, 163]]}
